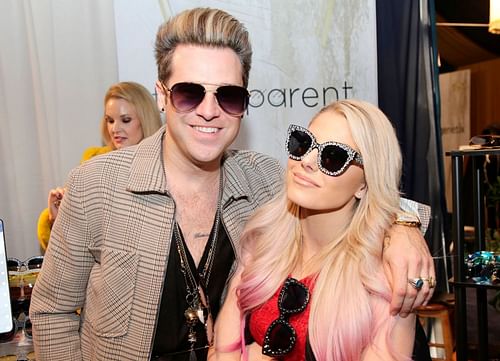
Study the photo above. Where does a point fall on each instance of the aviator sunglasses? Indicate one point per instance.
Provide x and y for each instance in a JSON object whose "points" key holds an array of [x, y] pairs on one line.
{"points": [[233, 99], [281, 337], [333, 157]]}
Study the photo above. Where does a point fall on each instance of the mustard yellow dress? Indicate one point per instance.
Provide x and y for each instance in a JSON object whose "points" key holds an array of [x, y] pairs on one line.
{"points": [[44, 225]]}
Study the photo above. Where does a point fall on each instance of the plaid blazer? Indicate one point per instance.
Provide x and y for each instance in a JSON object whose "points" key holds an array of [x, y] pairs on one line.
{"points": [[109, 248]]}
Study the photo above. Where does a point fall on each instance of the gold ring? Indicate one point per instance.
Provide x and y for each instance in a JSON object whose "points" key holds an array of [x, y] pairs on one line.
{"points": [[432, 281], [57, 203], [387, 242]]}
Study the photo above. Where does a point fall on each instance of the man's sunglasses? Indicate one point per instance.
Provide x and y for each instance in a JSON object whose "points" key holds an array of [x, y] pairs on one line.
{"points": [[333, 157], [281, 337], [232, 99]]}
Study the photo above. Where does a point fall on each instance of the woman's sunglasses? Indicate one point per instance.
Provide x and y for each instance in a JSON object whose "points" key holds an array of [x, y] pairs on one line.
{"points": [[333, 157], [22, 276], [232, 99], [281, 337]]}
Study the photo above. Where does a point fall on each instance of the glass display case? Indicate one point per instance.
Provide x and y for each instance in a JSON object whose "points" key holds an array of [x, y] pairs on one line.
{"points": [[461, 274]]}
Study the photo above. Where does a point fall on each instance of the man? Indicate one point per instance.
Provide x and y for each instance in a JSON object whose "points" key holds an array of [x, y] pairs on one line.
{"points": [[147, 237]]}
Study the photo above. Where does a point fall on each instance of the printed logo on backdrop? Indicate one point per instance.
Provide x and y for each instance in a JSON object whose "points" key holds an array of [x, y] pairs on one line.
{"points": [[306, 54], [310, 97]]}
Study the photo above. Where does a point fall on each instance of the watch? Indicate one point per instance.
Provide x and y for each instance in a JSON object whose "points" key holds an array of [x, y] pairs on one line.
{"points": [[407, 219]]}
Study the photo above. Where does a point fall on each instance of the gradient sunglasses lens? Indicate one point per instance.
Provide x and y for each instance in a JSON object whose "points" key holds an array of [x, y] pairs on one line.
{"points": [[231, 98], [186, 96]]}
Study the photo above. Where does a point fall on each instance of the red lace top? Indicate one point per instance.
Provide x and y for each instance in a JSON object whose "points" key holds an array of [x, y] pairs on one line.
{"points": [[261, 318]]}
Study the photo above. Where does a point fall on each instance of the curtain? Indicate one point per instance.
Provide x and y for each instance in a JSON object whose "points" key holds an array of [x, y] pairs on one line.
{"points": [[57, 59], [409, 95]]}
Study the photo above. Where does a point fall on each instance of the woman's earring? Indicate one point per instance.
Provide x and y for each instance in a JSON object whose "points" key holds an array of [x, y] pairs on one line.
{"points": [[162, 110], [360, 193]]}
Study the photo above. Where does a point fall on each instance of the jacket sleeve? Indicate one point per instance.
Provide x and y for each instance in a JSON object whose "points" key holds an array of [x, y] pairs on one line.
{"points": [[43, 229], [60, 289], [422, 211]]}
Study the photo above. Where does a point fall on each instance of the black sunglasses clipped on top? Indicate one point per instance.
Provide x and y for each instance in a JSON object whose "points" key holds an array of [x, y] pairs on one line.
{"points": [[333, 157], [233, 99], [281, 337]]}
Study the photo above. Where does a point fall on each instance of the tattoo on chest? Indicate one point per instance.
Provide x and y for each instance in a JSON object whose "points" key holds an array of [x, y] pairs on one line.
{"points": [[201, 235]]}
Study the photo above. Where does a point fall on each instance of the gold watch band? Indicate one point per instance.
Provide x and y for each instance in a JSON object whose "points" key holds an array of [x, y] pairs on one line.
{"points": [[407, 219]]}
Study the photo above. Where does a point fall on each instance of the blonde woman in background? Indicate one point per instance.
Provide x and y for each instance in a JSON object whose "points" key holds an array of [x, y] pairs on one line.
{"points": [[312, 280], [130, 114]]}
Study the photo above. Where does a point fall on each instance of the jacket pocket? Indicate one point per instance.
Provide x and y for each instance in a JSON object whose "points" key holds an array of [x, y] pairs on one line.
{"points": [[110, 292]]}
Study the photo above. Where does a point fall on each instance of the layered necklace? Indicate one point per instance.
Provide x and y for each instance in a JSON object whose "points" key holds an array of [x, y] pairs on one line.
{"points": [[198, 309]]}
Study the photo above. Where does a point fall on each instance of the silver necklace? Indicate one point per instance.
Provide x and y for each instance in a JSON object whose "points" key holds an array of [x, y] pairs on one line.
{"points": [[198, 309]]}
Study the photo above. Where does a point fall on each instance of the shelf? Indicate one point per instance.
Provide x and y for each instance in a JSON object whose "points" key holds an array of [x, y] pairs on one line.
{"points": [[460, 271], [474, 152], [472, 284]]}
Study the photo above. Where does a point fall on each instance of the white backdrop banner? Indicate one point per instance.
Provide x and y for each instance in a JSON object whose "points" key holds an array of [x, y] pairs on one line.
{"points": [[307, 53]]}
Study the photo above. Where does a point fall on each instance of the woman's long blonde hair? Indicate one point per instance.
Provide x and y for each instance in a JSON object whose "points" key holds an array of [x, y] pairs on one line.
{"points": [[349, 269]]}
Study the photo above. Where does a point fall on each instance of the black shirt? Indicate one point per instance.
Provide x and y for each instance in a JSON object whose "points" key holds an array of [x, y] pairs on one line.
{"points": [[171, 336]]}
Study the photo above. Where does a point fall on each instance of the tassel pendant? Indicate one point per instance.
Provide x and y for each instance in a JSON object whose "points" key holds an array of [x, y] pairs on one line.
{"points": [[191, 315], [192, 355]]}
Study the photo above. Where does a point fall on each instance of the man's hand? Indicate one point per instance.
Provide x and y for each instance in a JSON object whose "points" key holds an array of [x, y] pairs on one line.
{"points": [[407, 256]]}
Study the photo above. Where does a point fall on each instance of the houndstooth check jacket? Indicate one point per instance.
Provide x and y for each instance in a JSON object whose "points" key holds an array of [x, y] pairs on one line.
{"points": [[109, 248]]}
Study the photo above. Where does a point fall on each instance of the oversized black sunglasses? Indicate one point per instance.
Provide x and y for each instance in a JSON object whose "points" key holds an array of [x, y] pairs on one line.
{"points": [[333, 157], [281, 337], [233, 99]]}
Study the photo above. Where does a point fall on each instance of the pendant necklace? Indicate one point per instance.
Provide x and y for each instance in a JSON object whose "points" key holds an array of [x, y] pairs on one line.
{"points": [[198, 309]]}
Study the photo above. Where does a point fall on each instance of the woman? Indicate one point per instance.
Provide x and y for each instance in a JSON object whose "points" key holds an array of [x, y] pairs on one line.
{"points": [[312, 281], [130, 114]]}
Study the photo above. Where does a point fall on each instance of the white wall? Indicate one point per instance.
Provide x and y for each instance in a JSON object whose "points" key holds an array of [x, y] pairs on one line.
{"points": [[57, 58]]}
